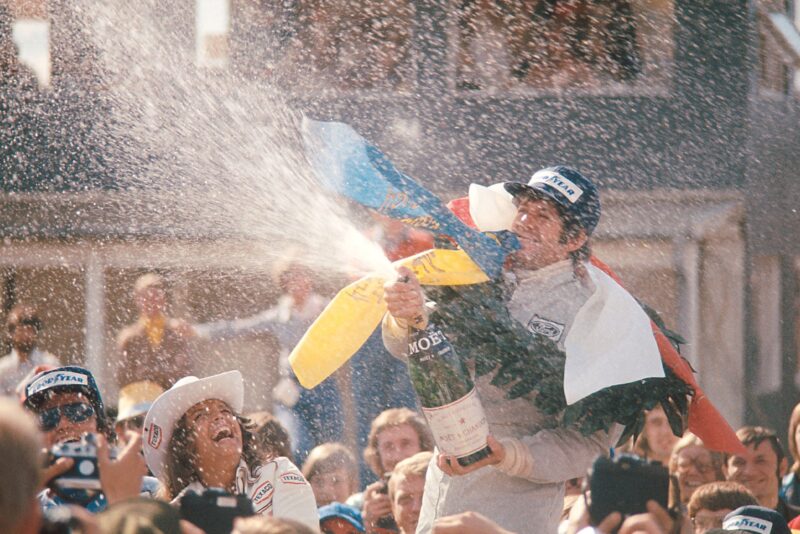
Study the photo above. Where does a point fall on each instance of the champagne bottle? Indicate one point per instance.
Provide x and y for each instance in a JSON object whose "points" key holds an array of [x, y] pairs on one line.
{"points": [[447, 395]]}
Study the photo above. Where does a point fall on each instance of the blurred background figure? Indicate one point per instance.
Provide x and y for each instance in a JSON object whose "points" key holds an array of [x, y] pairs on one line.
{"points": [[396, 434], [338, 518], [20, 463], [712, 502], [272, 439], [690, 466], [155, 347], [23, 326], [269, 525], [134, 401], [406, 486], [310, 416], [790, 487], [332, 471], [761, 468], [657, 439]]}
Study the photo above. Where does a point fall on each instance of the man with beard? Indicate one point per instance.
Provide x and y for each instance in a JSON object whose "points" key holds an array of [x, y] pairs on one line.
{"points": [[23, 326]]}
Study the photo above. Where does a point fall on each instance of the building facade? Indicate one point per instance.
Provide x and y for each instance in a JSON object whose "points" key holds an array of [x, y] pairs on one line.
{"points": [[685, 112]]}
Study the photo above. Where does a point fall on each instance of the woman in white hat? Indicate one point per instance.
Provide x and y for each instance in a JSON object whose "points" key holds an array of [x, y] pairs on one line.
{"points": [[194, 439]]}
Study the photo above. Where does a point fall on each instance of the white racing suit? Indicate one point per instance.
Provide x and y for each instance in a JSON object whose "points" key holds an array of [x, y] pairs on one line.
{"points": [[525, 493], [276, 488]]}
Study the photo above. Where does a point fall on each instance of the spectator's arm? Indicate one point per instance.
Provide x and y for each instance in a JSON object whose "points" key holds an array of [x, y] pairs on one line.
{"points": [[264, 322], [467, 523], [56, 469], [121, 479], [554, 455], [376, 504]]}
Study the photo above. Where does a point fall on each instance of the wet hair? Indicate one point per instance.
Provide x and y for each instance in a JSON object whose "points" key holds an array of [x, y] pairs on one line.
{"points": [[329, 457], [722, 495], [571, 228], [794, 421], [416, 465], [272, 439], [394, 417], [180, 470]]}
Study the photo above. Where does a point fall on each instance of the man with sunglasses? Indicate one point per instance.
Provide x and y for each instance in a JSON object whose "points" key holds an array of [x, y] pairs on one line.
{"points": [[22, 329], [67, 405]]}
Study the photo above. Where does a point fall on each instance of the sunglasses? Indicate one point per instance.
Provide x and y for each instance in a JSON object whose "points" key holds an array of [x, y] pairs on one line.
{"points": [[77, 412], [29, 321]]}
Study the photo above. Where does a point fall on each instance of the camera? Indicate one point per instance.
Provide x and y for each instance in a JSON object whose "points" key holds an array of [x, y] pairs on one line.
{"points": [[385, 524], [81, 483], [624, 485], [215, 510]]}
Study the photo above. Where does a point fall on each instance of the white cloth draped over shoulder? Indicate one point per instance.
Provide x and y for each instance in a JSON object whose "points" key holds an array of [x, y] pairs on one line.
{"points": [[610, 342]]}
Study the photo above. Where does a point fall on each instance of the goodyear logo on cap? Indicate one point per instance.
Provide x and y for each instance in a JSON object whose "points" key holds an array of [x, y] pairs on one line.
{"points": [[565, 186], [748, 523], [62, 378]]}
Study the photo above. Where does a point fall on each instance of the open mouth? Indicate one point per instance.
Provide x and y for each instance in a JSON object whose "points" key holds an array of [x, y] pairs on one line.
{"points": [[222, 434]]}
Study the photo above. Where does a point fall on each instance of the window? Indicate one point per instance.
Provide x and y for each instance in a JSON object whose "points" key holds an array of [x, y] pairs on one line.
{"points": [[778, 49], [212, 33], [320, 45], [553, 45]]}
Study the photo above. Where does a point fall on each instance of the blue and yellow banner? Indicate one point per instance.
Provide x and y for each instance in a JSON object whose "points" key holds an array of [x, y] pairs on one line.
{"points": [[346, 163]]}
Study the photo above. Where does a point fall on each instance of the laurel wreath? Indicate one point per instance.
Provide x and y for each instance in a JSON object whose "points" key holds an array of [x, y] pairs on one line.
{"points": [[476, 321]]}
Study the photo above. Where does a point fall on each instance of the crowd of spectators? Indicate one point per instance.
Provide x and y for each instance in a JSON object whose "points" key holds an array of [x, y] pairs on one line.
{"points": [[197, 438], [171, 436]]}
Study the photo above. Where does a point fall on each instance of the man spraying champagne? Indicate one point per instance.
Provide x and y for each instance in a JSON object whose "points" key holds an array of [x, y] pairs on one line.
{"points": [[550, 299]]}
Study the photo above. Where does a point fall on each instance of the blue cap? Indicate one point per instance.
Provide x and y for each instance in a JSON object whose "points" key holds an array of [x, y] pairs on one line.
{"points": [[64, 379], [568, 188], [342, 511], [757, 519]]}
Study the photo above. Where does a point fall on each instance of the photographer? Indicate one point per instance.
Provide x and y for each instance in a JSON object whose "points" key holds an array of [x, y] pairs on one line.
{"points": [[196, 440], [68, 407], [20, 464], [395, 434]]}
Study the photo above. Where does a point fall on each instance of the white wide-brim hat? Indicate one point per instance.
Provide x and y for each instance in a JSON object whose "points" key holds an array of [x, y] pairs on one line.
{"points": [[167, 410]]}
